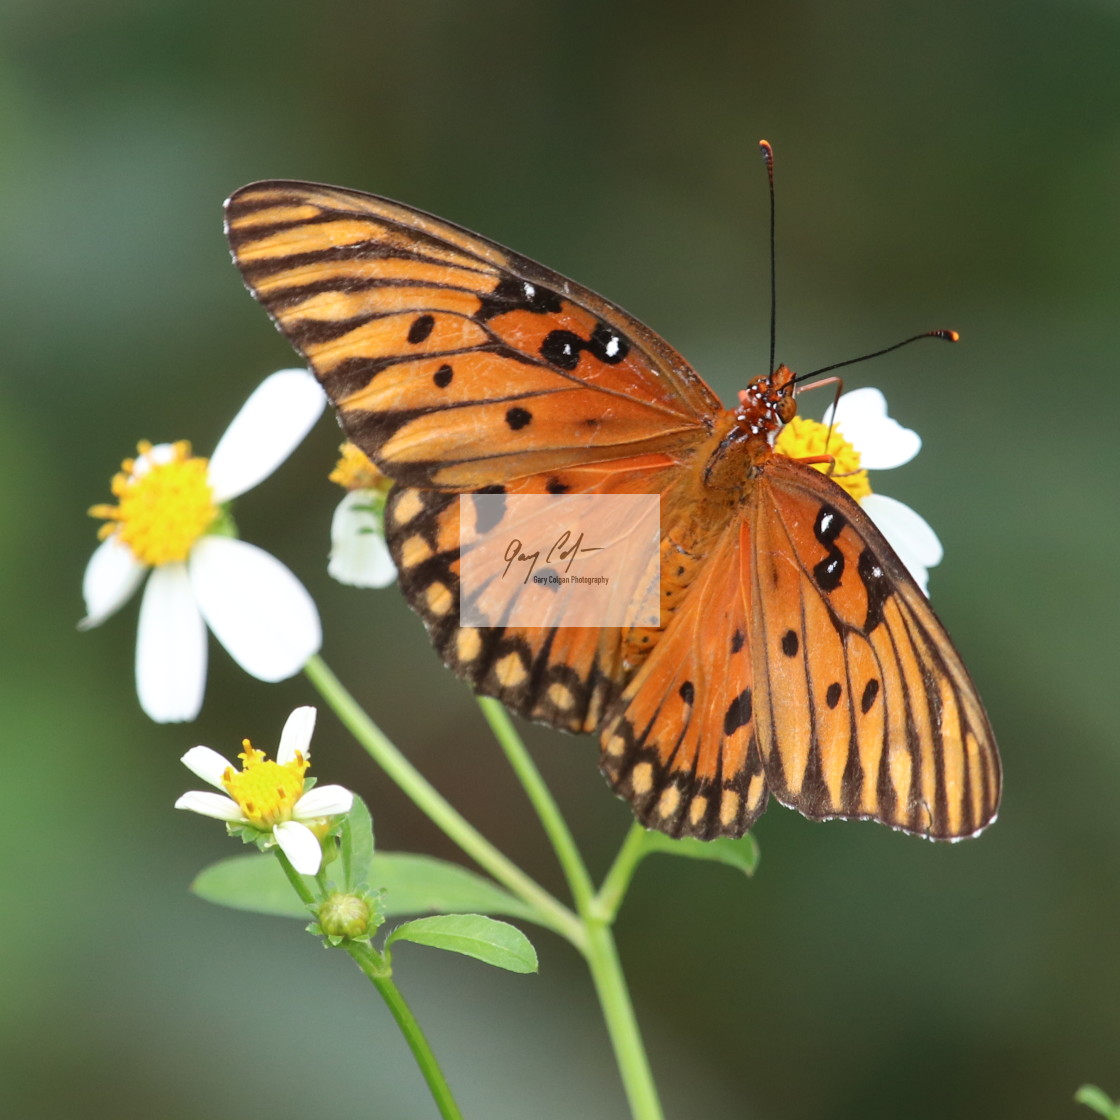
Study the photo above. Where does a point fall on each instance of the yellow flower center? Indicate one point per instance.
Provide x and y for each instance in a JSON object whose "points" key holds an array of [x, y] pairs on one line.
{"points": [[805, 439], [163, 508], [266, 791], [354, 471]]}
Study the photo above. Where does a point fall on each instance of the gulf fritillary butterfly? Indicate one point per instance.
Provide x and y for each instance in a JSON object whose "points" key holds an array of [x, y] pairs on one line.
{"points": [[797, 657]]}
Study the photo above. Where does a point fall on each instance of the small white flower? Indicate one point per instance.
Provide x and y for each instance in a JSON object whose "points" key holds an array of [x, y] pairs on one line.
{"points": [[870, 440], [269, 796], [170, 519], [359, 555]]}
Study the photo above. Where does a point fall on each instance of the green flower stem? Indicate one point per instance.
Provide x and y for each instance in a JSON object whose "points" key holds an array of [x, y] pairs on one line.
{"points": [[563, 843], [295, 878], [552, 913], [617, 879], [377, 970], [599, 946], [622, 1024]]}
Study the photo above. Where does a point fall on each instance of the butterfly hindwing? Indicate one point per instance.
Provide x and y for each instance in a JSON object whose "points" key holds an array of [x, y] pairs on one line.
{"points": [[865, 709], [680, 743], [561, 675]]}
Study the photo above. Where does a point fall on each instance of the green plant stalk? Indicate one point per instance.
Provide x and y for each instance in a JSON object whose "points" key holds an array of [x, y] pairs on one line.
{"points": [[433, 804], [560, 836], [375, 968], [617, 880], [599, 947]]}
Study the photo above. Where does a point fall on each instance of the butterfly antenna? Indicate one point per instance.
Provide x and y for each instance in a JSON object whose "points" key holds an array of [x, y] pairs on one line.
{"points": [[767, 151], [948, 336]]}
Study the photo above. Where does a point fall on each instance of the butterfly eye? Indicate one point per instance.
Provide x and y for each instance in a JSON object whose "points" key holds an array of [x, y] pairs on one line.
{"points": [[787, 409]]}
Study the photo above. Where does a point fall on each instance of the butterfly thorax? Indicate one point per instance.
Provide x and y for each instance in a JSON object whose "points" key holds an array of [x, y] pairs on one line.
{"points": [[767, 404]]}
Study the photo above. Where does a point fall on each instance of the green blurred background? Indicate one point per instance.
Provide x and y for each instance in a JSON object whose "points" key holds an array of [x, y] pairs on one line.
{"points": [[938, 165]]}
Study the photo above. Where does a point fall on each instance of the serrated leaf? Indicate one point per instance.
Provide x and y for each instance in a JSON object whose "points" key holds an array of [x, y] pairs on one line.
{"points": [[1098, 1100], [357, 846], [741, 853], [473, 935], [413, 885]]}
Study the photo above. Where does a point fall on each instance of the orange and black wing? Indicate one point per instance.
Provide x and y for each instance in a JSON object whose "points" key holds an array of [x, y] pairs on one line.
{"points": [[455, 363], [864, 707], [680, 742]]}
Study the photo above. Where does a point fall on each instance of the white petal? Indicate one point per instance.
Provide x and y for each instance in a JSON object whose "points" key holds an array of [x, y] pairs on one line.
{"points": [[359, 555], [300, 845], [296, 735], [882, 443], [112, 575], [206, 764], [257, 609], [323, 801], [269, 427], [909, 534], [170, 648], [211, 805]]}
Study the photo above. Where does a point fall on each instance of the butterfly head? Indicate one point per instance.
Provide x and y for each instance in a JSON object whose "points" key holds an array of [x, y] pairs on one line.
{"points": [[767, 404]]}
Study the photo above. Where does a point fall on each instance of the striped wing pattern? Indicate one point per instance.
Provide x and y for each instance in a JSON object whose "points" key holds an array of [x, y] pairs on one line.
{"points": [[454, 363], [797, 657], [865, 708]]}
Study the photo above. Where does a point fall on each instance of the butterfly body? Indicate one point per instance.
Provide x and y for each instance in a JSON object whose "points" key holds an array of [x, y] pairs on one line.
{"points": [[794, 653]]}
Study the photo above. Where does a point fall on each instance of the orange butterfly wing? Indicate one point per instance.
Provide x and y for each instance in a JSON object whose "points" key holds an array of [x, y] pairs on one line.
{"points": [[865, 708], [459, 366], [454, 363], [680, 743]]}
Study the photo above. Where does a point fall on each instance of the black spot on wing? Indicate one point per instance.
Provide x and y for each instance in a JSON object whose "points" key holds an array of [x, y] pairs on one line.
{"points": [[420, 328], [738, 713], [563, 347], [870, 692], [877, 586], [830, 571], [515, 294]]}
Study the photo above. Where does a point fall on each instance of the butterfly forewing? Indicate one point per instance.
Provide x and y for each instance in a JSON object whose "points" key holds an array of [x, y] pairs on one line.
{"points": [[455, 363], [864, 706]]}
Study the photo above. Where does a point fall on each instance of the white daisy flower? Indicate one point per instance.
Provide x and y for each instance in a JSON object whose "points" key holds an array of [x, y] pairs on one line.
{"points": [[170, 519], [269, 796], [359, 555], [865, 438]]}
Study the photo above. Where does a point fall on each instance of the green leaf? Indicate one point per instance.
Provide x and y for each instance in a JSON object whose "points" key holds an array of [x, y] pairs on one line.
{"points": [[420, 884], [357, 846], [1098, 1100], [742, 853], [413, 885], [473, 935], [255, 882]]}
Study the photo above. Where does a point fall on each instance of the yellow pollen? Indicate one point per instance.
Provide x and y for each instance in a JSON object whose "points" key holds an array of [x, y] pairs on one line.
{"points": [[805, 439], [355, 471], [266, 791], [163, 508]]}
